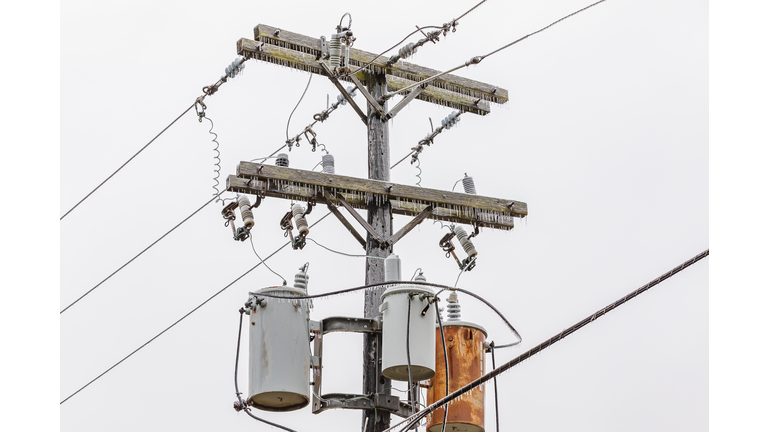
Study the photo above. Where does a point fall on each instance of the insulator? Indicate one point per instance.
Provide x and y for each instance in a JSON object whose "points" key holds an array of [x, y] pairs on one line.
{"points": [[420, 277], [342, 100], [335, 51], [298, 217], [451, 120], [407, 50], [301, 280], [454, 308], [235, 67], [328, 164], [465, 242], [469, 185], [245, 211], [282, 160]]}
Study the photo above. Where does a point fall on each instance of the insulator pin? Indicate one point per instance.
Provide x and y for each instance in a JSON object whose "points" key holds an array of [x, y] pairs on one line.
{"points": [[282, 160], [245, 211], [298, 217], [329, 164], [465, 242]]}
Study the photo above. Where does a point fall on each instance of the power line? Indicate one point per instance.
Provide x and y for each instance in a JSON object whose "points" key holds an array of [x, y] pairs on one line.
{"points": [[478, 59], [546, 344], [130, 159], [188, 314], [139, 254], [231, 71]]}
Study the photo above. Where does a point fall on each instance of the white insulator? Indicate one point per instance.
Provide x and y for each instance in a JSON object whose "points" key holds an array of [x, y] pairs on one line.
{"points": [[451, 120], [335, 51], [469, 185], [466, 243], [392, 268], [454, 308], [245, 211], [301, 280], [298, 217], [282, 160], [420, 277], [329, 164]]}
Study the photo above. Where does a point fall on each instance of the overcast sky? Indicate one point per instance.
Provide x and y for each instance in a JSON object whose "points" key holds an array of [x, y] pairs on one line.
{"points": [[605, 137]]}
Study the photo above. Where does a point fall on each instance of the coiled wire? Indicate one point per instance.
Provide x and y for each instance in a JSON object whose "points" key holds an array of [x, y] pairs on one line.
{"points": [[216, 162]]}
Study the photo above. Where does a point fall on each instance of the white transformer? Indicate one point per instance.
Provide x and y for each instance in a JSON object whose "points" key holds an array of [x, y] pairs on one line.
{"points": [[279, 349], [394, 309]]}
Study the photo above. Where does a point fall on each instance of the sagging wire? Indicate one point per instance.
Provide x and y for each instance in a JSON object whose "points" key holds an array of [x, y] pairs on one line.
{"points": [[307, 131], [265, 264], [412, 420], [240, 404], [207, 91], [342, 253], [186, 315], [477, 59], [294, 109]]}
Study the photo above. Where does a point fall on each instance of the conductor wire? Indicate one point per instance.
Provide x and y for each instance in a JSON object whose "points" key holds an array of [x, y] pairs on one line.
{"points": [[188, 314], [265, 264], [130, 159], [139, 254], [297, 105]]}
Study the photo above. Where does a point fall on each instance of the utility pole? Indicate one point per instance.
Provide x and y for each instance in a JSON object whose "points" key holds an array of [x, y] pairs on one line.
{"points": [[380, 218], [377, 194]]}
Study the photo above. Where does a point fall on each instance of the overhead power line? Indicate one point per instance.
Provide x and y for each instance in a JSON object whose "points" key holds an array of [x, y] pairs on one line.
{"points": [[232, 70], [547, 343], [185, 316], [139, 254], [478, 59]]}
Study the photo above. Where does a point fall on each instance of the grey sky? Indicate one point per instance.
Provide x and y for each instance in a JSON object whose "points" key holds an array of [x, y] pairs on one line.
{"points": [[605, 137]]}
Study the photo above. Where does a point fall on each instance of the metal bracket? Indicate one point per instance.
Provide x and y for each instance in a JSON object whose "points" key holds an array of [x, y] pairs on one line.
{"points": [[343, 91]]}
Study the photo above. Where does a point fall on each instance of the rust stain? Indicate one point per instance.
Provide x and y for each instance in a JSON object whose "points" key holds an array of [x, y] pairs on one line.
{"points": [[466, 362]]}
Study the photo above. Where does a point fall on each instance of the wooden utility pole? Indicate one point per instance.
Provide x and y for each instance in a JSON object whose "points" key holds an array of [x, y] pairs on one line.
{"points": [[380, 218], [377, 194]]}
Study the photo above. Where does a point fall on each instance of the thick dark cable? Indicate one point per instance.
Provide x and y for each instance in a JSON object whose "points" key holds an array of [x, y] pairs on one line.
{"points": [[411, 398], [188, 314], [445, 356], [139, 254], [546, 344], [126, 162], [495, 385], [541, 30], [237, 391]]}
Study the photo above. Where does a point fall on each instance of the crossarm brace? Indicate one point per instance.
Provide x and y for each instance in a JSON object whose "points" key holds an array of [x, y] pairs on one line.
{"points": [[343, 91]]}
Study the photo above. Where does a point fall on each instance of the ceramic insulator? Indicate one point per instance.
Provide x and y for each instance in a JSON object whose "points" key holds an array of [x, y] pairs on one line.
{"points": [[454, 308], [328, 164], [469, 185], [465, 242], [298, 217], [282, 160], [335, 51], [245, 211]]}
